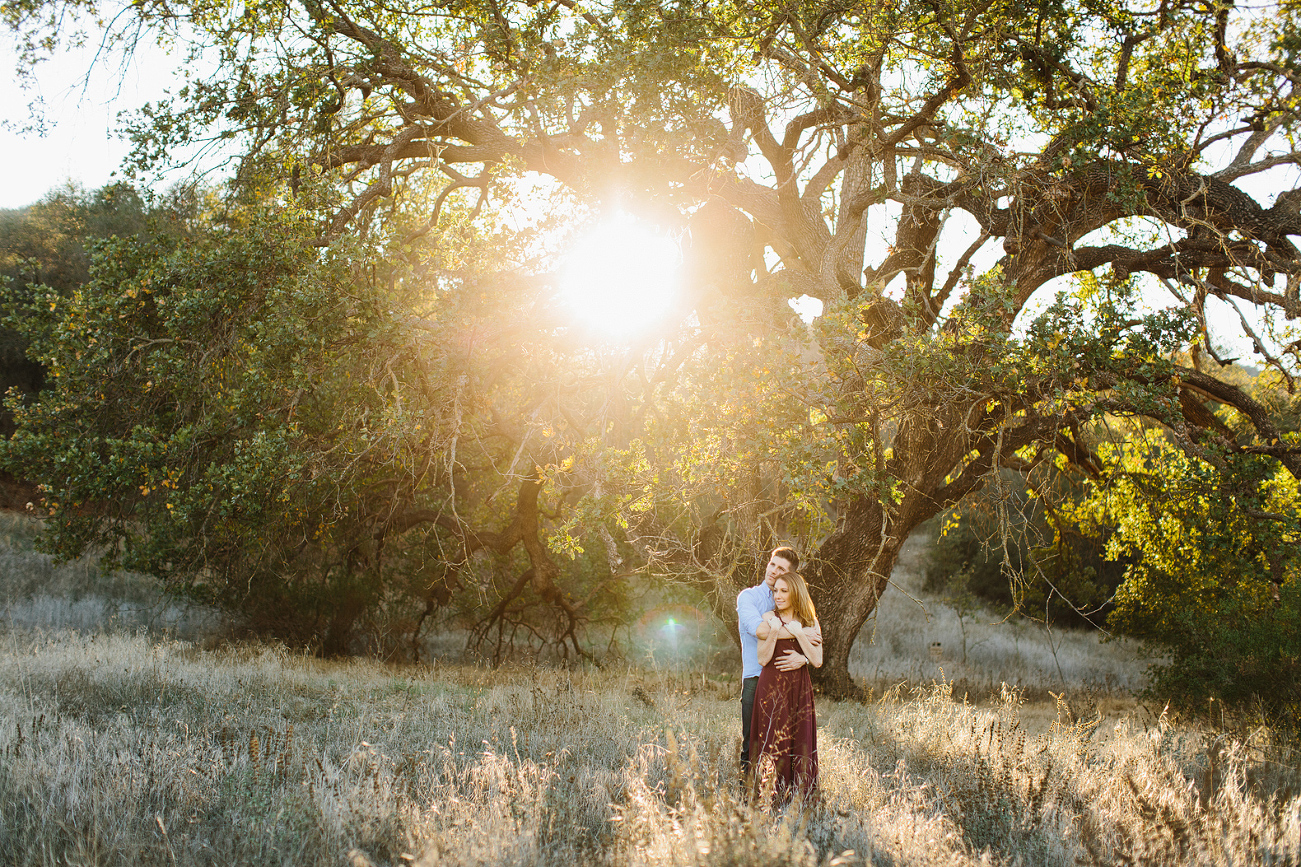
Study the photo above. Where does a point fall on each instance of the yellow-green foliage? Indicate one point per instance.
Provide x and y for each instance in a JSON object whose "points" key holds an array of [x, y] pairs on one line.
{"points": [[1212, 570], [114, 750]]}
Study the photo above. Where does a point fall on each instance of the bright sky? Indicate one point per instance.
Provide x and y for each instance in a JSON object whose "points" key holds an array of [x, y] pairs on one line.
{"points": [[80, 113]]}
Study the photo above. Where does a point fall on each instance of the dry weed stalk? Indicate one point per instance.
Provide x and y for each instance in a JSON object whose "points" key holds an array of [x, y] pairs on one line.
{"points": [[116, 750]]}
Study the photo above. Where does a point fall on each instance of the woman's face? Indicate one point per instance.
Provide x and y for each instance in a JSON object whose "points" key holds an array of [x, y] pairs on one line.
{"points": [[781, 594]]}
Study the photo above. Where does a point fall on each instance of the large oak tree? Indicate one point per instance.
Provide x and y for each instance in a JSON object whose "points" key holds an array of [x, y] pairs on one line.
{"points": [[928, 169]]}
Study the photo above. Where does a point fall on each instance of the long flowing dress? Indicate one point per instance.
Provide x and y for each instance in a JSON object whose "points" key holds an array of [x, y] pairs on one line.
{"points": [[784, 730]]}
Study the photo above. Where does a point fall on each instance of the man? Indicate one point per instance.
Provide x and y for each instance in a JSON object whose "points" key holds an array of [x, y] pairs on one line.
{"points": [[752, 604]]}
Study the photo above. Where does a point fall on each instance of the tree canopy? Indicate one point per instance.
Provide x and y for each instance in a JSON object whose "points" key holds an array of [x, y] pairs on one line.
{"points": [[929, 169]]}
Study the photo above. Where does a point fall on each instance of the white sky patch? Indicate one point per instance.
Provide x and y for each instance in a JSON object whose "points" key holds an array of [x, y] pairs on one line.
{"points": [[80, 97], [806, 307], [79, 115]]}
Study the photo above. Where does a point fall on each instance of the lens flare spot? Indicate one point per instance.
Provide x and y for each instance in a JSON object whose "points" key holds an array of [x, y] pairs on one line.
{"points": [[621, 276]]}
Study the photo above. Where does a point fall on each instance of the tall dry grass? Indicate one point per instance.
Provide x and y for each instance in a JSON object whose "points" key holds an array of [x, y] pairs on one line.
{"points": [[912, 637], [122, 745], [916, 637], [120, 749], [36, 592]]}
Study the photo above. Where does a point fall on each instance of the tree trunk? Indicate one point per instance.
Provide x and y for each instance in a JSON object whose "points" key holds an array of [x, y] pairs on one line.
{"points": [[846, 578], [349, 604]]}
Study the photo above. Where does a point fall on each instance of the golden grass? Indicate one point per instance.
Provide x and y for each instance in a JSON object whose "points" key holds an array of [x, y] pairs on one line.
{"points": [[117, 749]]}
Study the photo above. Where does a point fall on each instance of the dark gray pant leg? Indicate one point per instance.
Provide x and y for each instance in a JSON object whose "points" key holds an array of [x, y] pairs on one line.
{"points": [[748, 686]]}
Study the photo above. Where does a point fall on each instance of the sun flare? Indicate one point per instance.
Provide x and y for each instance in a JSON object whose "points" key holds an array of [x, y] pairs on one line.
{"points": [[621, 276]]}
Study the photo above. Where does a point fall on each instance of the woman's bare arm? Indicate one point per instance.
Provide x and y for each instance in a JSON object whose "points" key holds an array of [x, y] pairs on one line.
{"points": [[768, 632], [767, 642], [763, 629]]}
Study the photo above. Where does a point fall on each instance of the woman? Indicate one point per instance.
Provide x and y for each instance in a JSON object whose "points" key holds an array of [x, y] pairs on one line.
{"points": [[784, 732]]}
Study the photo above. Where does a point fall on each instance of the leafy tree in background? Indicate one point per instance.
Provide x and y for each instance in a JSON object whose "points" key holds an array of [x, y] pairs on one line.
{"points": [[1211, 580], [929, 170], [172, 431], [264, 426], [47, 244], [1193, 554], [1010, 549]]}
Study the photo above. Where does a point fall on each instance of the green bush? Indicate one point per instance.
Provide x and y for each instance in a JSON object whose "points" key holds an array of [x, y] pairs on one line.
{"points": [[1210, 580], [1247, 654]]}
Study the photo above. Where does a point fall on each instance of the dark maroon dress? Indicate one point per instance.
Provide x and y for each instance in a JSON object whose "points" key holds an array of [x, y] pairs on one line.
{"points": [[784, 731]]}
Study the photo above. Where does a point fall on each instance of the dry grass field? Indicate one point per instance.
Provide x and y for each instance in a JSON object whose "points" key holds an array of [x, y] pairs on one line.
{"points": [[129, 748], [120, 749]]}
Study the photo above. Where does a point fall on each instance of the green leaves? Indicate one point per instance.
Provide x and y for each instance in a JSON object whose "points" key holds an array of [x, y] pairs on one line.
{"points": [[201, 417], [380, 345], [1212, 569]]}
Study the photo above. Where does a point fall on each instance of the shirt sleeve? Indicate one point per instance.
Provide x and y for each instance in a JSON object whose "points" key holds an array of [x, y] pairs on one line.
{"points": [[748, 615]]}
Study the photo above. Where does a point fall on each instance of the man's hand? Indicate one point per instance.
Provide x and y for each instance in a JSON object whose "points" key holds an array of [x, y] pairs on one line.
{"points": [[793, 660]]}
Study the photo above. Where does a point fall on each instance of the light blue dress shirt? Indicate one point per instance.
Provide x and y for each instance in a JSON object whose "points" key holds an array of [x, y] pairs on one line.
{"points": [[752, 604]]}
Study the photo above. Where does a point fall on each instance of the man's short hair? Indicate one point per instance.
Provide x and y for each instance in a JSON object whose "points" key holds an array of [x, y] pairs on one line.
{"points": [[788, 554]]}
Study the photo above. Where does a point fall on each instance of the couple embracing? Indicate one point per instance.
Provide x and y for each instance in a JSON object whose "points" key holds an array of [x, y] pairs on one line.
{"points": [[780, 639]]}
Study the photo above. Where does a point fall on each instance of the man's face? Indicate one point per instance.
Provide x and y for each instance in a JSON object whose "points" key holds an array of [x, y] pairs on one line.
{"points": [[777, 566]]}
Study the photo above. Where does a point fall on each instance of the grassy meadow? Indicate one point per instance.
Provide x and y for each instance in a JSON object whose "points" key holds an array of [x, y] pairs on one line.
{"points": [[122, 745]]}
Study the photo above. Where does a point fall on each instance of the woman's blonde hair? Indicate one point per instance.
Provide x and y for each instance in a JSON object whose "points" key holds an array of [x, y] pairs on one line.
{"points": [[802, 604]]}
